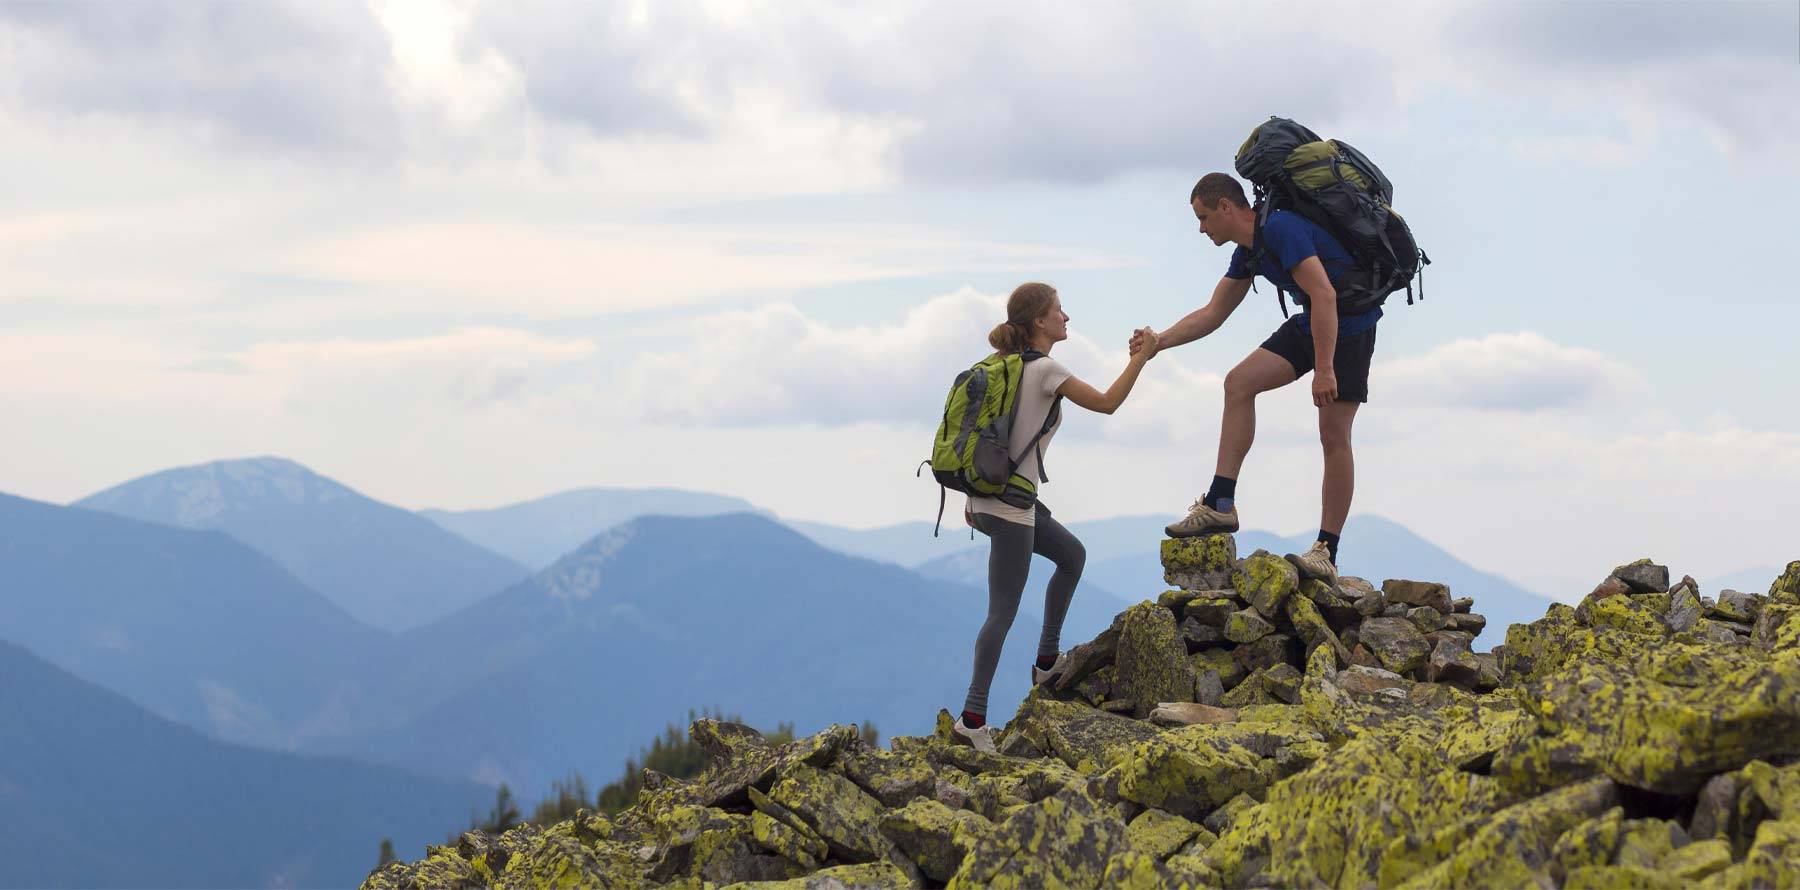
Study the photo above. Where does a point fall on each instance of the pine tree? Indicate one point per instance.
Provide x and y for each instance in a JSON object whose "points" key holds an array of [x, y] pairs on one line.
{"points": [[570, 796], [387, 852], [505, 813]]}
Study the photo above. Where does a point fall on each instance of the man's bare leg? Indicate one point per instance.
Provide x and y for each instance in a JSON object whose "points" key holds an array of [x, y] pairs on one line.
{"points": [[1340, 464], [1259, 372]]}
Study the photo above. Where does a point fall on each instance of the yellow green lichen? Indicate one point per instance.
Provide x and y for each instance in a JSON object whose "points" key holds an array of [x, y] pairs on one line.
{"points": [[1265, 582], [1160, 833], [1513, 847], [1697, 860], [1066, 839], [1786, 588], [1152, 664], [1135, 870]]}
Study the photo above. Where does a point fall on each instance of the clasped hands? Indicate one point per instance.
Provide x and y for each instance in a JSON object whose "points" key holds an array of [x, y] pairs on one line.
{"points": [[1144, 340]]}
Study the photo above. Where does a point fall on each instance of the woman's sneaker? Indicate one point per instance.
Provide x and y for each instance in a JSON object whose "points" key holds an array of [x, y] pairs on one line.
{"points": [[1039, 676], [1204, 520], [1316, 563], [981, 739]]}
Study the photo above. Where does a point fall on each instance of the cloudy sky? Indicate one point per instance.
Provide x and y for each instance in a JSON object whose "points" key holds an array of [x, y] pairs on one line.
{"points": [[459, 254]]}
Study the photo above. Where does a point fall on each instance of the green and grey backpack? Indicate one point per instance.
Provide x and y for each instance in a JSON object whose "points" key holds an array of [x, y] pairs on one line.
{"points": [[1340, 189], [970, 452]]}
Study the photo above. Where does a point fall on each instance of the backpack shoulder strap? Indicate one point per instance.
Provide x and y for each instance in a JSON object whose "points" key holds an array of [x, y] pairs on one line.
{"points": [[1037, 440]]}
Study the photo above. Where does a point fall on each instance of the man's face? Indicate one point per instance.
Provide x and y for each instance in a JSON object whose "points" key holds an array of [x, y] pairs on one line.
{"points": [[1213, 220]]}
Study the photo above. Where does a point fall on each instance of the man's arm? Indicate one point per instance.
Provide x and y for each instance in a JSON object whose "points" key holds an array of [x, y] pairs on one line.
{"points": [[1226, 297], [1322, 308]]}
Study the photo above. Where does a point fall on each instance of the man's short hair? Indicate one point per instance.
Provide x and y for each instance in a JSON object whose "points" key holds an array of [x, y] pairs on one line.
{"points": [[1214, 186]]}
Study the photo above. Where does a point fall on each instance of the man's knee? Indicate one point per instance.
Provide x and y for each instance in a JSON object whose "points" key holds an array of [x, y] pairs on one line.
{"points": [[1240, 384], [1336, 439]]}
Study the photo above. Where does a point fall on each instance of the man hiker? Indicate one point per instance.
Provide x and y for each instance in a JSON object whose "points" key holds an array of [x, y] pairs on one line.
{"points": [[1301, 257]]}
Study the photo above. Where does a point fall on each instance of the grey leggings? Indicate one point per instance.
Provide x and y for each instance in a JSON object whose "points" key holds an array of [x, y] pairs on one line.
{"points": [[1009, 562]]}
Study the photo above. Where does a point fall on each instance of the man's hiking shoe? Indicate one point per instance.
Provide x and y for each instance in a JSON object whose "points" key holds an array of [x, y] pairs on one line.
{"points": [[1203, 520], [1316, 563], [1039, 676], [981, 739]]}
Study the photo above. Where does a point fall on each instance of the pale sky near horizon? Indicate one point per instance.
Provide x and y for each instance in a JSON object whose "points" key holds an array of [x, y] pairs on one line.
{"points": [[461, 254]]}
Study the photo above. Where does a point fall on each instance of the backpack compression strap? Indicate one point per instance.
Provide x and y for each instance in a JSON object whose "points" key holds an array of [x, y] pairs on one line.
{"points": [[943, 493]]}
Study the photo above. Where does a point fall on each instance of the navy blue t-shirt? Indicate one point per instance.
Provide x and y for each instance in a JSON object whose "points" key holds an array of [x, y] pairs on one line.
{"points": [[1292, 238]]}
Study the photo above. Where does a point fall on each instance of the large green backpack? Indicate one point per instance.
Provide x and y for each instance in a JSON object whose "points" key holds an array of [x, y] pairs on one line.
{"points": [[970, 452], [1340, 189]]}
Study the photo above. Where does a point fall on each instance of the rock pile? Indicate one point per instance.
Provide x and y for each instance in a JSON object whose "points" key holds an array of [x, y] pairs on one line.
{"points": [[1236, 632], [1647, 737]]}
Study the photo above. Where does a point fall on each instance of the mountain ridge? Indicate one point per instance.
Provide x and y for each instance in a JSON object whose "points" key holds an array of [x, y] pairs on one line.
{"points": [[91, 785], [385, 565]]}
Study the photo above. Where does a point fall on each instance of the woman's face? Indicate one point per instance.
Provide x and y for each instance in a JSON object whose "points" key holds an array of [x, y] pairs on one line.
{"points": [[1055, 323]]}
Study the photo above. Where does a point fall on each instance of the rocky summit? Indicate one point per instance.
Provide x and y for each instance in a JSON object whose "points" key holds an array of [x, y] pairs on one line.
{"points": [[1253, 727]]}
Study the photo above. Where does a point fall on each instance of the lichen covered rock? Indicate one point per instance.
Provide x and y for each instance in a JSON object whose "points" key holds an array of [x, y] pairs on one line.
{"points": [[1417, 593], [1065, 840], [1152, 663], [1186, 770], [1160, 833], [1265, 582], [1648, 737], [934, 836], [1396, 642], [1203, 563]]}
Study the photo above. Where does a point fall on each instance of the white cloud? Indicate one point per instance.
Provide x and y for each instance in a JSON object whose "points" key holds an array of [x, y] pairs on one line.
{"points": [[571, 269], [775, 365], [430, 66], [812, 96], [1522, 371], [1726, 67]]}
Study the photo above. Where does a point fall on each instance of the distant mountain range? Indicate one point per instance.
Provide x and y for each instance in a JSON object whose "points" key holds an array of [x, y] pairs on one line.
{"points": [[193, 625], [539, 532], [97, 792], [388, 567]]}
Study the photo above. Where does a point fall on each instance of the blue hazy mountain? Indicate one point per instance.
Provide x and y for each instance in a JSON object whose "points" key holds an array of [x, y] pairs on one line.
{"points": [[193, 625], [582, 664], [906, 543], [537, 533], [388, 567], [98, 792]]}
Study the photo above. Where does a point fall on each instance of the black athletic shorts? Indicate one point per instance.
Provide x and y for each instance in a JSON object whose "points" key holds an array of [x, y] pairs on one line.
{"points": [[1293, 341]]}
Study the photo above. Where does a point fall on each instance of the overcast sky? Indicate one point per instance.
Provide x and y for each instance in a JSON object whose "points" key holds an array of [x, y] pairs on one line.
{"points": [[460, 254]]}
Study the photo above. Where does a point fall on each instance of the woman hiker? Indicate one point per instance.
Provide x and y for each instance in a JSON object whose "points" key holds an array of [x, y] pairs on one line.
{"points": [[1035, 321]]}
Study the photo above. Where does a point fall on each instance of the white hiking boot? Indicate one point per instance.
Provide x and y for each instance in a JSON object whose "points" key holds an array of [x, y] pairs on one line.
{"points": [[1204, 520], [981, 739], [1316, 563], [1040, 676]]}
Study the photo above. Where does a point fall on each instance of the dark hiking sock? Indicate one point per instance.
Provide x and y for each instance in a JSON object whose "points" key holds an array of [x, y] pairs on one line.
{"points": [[1221, 495], [1046, 662], [973, 720], [1331, 542]]}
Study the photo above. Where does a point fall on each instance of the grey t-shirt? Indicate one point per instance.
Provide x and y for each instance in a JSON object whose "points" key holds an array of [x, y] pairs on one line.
{"points": [[1037, 392]]}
